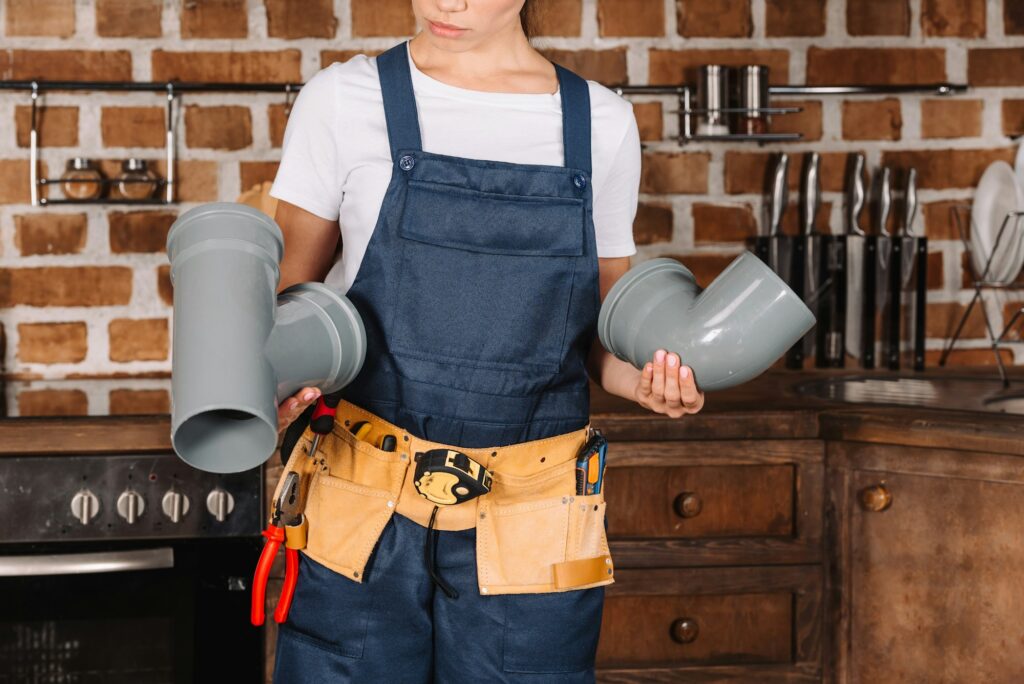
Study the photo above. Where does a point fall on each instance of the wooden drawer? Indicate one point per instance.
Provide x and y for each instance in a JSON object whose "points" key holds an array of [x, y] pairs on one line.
{"points": [[701, 501], [700, 624]]}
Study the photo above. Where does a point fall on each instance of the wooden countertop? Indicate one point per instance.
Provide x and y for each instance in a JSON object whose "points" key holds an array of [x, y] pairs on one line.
{"points": [[769, 407]]}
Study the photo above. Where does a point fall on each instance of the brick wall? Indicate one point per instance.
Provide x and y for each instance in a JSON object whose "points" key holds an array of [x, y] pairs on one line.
{"points": [[85, 291]]}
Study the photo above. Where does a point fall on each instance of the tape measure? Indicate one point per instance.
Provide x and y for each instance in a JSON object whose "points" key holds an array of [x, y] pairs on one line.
{"points": [[446, 476]]}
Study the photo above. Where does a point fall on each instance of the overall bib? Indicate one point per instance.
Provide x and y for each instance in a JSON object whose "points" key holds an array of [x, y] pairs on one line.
{"points": [[479, 294]]}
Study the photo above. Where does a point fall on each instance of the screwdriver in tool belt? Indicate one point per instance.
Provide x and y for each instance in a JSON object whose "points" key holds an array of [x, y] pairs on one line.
{"points": [[322, 420]]}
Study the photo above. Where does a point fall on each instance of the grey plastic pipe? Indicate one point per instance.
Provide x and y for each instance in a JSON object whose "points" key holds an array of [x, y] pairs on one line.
{"points": [[238, 350], [728, 333]]}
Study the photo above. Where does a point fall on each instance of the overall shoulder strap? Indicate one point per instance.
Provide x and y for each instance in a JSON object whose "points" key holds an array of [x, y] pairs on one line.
{"points": [[575, 118], [399, 99]]}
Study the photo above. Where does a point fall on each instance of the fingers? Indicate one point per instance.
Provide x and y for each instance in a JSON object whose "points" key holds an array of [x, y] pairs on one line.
{"points": [[658, 381], [691, 397], [672, 381], [668, 387], [292, 407]]}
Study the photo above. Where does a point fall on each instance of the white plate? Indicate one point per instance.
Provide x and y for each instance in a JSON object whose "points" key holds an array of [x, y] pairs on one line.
{"points": [[998, 192], [1018, 164]]}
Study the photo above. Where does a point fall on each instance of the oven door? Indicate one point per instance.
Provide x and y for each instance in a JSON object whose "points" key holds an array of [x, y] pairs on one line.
{"points": [[129, 612]]}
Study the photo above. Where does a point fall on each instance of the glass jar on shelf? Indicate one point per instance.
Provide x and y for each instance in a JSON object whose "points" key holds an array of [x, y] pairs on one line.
{"points": [[81, 180], [136, 182]]}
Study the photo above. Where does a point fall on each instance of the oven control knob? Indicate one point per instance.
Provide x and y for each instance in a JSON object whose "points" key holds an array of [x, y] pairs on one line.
{"points": [[130, 506], [85, 506], [175, 505], [220, 503]]}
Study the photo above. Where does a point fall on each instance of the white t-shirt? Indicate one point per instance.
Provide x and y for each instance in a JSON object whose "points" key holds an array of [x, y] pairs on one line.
{"points": [[336, 161]]}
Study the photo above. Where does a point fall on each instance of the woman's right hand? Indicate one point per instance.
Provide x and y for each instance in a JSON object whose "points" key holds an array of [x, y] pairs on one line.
{"points": [[292, 407]]}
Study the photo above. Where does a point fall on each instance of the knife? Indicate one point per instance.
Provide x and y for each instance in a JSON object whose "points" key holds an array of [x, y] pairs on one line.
{"points": [[775, 207], [855, 236], [909, 211], [810, 201], [883, 203]]}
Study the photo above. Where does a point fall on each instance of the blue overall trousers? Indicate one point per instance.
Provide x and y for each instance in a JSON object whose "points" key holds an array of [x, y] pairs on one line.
{"points": [[479, 294]]}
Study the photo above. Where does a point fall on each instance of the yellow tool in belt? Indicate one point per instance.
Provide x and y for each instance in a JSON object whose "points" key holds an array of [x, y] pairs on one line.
{"points": [[446, 476]]}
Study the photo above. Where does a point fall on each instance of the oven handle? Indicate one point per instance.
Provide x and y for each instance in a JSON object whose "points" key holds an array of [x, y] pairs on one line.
{"points": [[78, 563]]}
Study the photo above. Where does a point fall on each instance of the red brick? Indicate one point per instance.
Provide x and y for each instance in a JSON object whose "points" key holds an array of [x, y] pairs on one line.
{"points": [[791, 218], [1013, 17], [964, 18], [807, 122], [705, 267], [52, 342], [745, 172], [309, 19], [995, 66], [939, 222], [1010, 310], [70, 65], [139, 339], [133, 126], [129, 18], [674, 172], [794, 18], [255, 172], [875, 65], [197, 181], [872, 119], [276, 123], [56, 125], [714, 18], [163, 284], [630, 18], [139, 402], [53, 402], [66, 286], [382, 18], [671, 67], [603, 66], [942, 318], [949, 168], [214, 19], [1013, 117], [946, 118], [139, 231], [41, 18], [649, 120], [936, 271], [46, 233], [14, 182], [878, 18], [329, 57], [278, 66], [968, 357], [719, 223], [225, 127], [556, 18], [653, 223]]}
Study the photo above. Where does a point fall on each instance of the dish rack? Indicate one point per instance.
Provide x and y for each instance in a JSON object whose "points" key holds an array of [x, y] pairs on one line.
{"points": [[1012, 223]]}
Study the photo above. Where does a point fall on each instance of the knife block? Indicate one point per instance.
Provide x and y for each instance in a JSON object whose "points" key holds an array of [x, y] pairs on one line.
{"points": [[895, 323]]}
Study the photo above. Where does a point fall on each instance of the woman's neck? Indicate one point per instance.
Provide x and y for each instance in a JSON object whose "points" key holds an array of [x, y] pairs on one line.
{"points": [[506, 63]]}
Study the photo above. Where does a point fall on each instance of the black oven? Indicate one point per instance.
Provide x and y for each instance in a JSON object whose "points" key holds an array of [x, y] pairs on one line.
{"points": [[127, 569]]}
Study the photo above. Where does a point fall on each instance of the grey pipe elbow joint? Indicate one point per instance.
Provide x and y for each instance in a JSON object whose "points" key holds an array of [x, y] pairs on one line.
{"points": [[728, 333], [238, 349]]}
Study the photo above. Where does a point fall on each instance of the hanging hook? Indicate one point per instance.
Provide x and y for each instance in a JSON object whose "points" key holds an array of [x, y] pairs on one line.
{"points": [[288, 100]]}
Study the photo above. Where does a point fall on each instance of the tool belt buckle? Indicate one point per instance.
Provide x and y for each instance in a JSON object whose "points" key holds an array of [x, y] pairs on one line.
{"points": [[446, 477]]}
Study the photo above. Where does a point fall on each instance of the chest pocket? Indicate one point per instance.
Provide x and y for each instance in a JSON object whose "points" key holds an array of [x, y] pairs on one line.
{"points": [[486, 279]]}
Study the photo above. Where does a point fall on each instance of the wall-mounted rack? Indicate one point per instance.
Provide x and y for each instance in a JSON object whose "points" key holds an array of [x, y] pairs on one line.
{"points": [[685, 94], [171, 88]]}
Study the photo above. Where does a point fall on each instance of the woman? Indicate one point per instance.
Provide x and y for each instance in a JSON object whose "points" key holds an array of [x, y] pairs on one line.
{"points": [[485, 197]]}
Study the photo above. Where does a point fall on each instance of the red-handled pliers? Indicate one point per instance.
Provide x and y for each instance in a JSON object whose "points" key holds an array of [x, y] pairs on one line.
{"points": [[283, 515]]}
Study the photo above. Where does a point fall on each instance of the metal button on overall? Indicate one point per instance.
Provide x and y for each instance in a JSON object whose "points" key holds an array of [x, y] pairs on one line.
{"points": [[479, 294]]}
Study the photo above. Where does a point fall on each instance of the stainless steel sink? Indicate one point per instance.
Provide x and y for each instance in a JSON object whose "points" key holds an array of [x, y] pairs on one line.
{"points": [[968, 393]]}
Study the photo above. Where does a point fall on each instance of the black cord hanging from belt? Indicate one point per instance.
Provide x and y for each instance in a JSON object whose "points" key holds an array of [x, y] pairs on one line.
{"points": [[430, 556]]}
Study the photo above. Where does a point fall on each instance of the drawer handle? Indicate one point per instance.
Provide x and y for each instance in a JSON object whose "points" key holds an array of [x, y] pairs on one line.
{"points": [[684, 630], [875, 498], [687, 505]]}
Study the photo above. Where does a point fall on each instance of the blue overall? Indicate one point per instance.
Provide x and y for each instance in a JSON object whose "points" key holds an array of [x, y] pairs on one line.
{"points": [[479, 294]]}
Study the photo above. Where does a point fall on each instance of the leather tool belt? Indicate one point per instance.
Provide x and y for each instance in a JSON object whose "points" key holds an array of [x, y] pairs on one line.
{"points": [[534, 534]]}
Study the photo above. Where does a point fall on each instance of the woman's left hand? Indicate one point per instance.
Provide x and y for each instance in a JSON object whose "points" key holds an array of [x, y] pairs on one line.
{"points": [[668, 387]]}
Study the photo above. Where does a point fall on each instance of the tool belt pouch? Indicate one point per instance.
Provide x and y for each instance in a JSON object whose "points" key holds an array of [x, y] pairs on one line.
{"points": [[535, 535], [353, 489]]}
